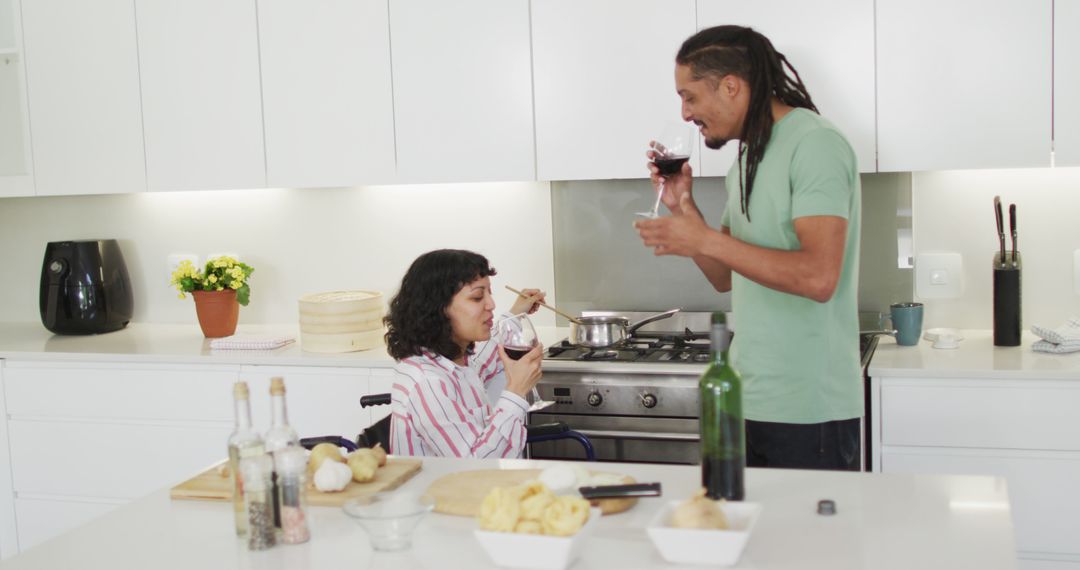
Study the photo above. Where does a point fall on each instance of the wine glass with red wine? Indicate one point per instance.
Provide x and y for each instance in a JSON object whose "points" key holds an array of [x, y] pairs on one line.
{"points": [[517, 336], [672, 151]]}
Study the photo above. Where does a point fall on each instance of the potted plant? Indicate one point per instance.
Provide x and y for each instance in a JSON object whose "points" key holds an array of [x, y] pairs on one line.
{"points": [[219, 290]]}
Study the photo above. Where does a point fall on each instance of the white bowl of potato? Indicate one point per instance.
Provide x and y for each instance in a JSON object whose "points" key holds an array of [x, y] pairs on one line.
{"points": [[713, 546], [529, 527]]}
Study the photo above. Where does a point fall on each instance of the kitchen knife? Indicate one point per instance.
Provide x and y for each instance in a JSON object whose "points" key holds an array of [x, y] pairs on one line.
{"points": [[1000, 228], [1012, 229], [620, 491]]}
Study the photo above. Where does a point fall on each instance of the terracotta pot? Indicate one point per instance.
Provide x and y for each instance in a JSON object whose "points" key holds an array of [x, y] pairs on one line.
{"points": [[218, 312]]}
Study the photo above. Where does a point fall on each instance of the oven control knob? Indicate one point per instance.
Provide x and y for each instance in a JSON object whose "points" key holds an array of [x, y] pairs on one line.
{"points": [[595, 399], [648, 400]]}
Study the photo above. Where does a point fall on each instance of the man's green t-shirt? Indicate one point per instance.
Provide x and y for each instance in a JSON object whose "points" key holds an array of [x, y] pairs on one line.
{"points": [[799, 359]]}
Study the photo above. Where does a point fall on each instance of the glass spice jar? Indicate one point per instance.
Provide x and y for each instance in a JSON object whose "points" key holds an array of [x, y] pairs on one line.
{"points": [[258, 501], [291, 466]]}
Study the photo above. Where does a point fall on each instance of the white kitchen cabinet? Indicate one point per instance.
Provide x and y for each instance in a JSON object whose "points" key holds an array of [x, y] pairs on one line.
{"points": [[462, 90], [16, 164], [604, 83], [963, 84], [82, 73], [1066, 83], [202, 110], [320, 400], [9, 538], [43, 518], [327, 94], [1024, 430], [129, 428], [830, 44]]}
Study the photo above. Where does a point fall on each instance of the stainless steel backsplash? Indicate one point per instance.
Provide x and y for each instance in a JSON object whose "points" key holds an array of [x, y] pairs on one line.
{"points": [[600, 262]]}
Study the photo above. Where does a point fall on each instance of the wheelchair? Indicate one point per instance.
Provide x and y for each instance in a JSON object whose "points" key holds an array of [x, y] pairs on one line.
{"points": [[379, 432]]}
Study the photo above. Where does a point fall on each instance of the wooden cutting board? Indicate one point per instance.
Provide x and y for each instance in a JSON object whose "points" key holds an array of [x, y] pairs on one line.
{"points": [[215, 484], [461, 493]]}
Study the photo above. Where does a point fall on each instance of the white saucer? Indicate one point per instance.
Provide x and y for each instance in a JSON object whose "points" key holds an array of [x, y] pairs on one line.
{"points": [[933, 334]]}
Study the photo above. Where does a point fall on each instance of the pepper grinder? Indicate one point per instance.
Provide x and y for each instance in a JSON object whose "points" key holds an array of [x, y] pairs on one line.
{"points": [[1007, 279]]}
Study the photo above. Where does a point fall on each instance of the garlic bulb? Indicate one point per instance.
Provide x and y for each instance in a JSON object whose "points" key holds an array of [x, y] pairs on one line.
{"points": [[332, 477]]}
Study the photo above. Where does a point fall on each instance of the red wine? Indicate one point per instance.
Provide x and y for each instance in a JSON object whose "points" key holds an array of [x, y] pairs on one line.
{"points": [[515, 352], [723, 478], [669, 165]]}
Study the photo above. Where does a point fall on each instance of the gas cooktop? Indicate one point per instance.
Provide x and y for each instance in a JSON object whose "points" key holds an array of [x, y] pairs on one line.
{"points": [[688, 347]]}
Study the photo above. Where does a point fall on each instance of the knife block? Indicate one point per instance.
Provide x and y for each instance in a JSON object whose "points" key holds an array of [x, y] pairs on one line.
{"points": [[1007, 278]]}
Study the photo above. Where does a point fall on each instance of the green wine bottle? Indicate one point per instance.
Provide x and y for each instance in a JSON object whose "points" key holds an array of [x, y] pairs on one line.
{"points": [[723, 440]]}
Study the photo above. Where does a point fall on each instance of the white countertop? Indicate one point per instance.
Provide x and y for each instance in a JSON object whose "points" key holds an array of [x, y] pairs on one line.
{"points": [[977, 357], [883, 521], [185, 344]]}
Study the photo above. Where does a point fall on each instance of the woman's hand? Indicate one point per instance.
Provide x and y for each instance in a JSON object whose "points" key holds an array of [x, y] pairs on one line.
{"points": [[522, 374], [528, 301]]}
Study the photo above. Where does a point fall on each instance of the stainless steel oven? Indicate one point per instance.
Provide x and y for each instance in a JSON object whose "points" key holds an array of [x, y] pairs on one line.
{"points": [[627, 416]]}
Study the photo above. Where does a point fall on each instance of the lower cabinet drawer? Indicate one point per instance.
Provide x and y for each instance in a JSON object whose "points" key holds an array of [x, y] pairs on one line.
{"points": [[1000, 415], [40, 520], [1043, 490], [106, 460], [89, 390]]}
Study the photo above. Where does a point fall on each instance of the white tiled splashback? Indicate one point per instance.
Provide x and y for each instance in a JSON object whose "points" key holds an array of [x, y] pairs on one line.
{"points": [[953, 212], [299, 240]]}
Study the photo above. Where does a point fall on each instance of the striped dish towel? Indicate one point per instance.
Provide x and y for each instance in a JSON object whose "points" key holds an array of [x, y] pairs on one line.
{"points": [[247, 342], [1060, 340]]}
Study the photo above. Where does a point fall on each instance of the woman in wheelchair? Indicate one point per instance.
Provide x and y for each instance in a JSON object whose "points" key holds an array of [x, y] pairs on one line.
{"points": [[455, 394]]}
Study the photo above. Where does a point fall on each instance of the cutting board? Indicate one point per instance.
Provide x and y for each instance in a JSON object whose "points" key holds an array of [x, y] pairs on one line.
{"points": [[461, 493], [215, 484]]}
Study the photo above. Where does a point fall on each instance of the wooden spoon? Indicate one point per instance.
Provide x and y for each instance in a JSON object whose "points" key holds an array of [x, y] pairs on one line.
{"points": [[574, 320]]}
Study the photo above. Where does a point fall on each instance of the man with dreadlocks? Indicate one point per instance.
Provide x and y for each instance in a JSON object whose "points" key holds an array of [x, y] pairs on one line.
{"points": [[787, 246]]}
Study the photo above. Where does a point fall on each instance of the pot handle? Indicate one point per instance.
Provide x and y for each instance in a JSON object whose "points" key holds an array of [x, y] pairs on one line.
{"points": [[630, 329]]}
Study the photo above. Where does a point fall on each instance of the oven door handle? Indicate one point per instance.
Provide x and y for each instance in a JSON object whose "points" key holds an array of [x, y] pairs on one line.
{"points": [[621, 434]]}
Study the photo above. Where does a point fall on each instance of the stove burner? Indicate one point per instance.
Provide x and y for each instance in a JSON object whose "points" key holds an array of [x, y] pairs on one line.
{"points": [[600, 355]]}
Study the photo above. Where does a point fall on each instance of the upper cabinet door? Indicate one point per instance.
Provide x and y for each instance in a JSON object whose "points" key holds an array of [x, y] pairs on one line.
{"points": [[328, 101], [82, 73], [16, 166], [1067, 83], [462, 90], [201, 98], [963, 84], [605, 83], [830, 44]]}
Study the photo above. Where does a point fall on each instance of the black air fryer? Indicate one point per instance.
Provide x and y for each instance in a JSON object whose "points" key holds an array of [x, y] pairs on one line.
{"points": [[85, 288]]}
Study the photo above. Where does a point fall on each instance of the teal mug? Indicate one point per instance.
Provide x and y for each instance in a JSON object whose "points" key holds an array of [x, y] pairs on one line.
{"points": [[907, 320]]}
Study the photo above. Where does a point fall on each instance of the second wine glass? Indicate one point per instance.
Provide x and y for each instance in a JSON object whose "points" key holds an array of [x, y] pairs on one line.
{"points": [[517, 336], [672, 151]]}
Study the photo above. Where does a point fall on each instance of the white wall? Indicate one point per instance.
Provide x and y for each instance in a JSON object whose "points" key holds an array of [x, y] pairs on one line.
{"points": [[299, 241], [953, 212]]}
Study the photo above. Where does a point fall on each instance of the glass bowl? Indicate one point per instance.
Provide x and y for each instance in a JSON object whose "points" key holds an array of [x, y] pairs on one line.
{"points": [[389, 518]]}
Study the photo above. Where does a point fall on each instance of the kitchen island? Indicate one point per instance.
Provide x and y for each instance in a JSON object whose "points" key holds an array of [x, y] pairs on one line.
{"points": [[883, 521], [982, 409]]}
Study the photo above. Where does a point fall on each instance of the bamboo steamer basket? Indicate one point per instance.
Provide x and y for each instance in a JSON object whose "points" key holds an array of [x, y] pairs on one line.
{"points": [[341, 321]]}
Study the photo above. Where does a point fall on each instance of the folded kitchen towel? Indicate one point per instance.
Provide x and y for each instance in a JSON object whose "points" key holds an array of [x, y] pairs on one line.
{"points": [[250, 342], [1065, 334], [1047, 346]]}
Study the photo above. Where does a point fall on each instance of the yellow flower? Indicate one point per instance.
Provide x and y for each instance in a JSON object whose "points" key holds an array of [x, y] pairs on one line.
{"points": [[212, 278]]}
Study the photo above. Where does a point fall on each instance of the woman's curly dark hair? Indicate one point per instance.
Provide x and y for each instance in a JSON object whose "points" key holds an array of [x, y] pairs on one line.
{"points": [[417, 319]]}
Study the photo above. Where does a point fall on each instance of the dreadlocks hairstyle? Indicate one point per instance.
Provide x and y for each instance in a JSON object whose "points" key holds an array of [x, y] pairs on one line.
{"points": [[736, 50]]}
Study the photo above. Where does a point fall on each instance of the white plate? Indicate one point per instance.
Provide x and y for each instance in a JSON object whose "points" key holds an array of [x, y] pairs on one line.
{"points": [[701, 546], [535, 551]]}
